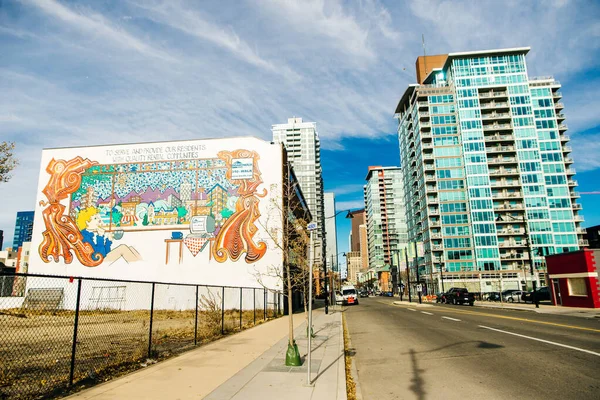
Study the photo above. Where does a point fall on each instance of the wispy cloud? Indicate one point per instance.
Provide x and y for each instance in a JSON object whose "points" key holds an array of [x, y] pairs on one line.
{"points": [[347, 205], [355, 189], [75, 73], [95, 24]]}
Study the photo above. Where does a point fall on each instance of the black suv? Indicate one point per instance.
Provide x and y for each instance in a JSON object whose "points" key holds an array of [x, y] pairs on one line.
{"points": [[541, 294]]}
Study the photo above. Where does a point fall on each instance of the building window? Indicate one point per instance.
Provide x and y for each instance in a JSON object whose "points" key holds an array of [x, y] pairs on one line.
{"points": [[577, 287]]}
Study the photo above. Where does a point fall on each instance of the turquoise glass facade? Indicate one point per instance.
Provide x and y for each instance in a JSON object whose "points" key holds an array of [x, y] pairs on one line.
{"points": [[487, 172]]}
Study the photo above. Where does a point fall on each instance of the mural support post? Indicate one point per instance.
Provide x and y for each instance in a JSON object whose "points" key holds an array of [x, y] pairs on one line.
{"points": [[76, 326], [241, 306], [254, 306], [151, 320], [196, 320], [223, 311]]}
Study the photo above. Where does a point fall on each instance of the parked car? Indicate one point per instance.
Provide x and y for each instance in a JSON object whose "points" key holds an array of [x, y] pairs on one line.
{"points": [[440, 297], [541, 294], [492, 296], [349, 295], [460, 296], [512, 295], [388, 294], [363, 293]]}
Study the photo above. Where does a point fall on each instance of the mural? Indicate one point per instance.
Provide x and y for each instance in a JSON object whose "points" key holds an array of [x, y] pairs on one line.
{"points": [[215, 199]]}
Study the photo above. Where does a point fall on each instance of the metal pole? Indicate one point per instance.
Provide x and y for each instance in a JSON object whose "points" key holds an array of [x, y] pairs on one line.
{"points": [[196, 320], [223, 311], [442, 276], [241, 306], [533, 281], [151, 320], [407, 274], [254, 306], [417, 268], [265, 304], [76, 327], [309, 329]]}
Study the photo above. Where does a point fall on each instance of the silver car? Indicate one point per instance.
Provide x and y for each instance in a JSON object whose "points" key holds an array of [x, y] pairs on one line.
{"points": [[513, 296]]}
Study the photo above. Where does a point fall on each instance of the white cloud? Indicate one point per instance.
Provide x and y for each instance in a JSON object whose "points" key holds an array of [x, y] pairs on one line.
{"points": [[348, 205], [95, 24], [165, 70], [355, 189]]}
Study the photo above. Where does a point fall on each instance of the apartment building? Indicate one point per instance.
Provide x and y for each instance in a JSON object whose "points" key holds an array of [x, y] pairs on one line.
{"points": [[487, 171]]}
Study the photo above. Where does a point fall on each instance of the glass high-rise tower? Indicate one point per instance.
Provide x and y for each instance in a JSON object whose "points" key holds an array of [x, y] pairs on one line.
{"points": [[23, 228], [385, 214], [303, 146], [488, 176]]}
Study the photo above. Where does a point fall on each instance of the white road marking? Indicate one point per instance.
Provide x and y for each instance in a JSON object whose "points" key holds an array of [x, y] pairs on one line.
{"points": [[411, 309], [425, 312], [452, 319], [542, 340]]}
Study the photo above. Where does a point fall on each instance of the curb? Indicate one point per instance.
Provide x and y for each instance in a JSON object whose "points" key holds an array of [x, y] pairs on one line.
{"points": [[354, 370]]}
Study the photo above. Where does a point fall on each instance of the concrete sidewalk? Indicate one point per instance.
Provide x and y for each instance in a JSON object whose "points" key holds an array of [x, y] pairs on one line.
{"points": [[269, 378], [246, 365], [544, 309]]}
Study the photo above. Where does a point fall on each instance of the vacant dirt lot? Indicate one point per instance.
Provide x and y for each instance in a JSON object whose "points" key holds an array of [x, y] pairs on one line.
{"points": [[35, 347]]}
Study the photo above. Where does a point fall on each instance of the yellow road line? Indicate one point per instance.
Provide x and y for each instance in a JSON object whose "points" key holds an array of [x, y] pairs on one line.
{"points": [[517, 319]]}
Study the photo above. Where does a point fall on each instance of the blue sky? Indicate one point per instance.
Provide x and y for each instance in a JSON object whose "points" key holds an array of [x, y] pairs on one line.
{"points": [[97, 72]]}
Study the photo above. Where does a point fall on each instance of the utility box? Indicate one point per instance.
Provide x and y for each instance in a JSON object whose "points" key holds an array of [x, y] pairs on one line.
{"points": [[574, 278]]}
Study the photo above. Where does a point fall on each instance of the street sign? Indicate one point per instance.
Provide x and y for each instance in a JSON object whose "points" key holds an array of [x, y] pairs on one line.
{"points": [[419, 288], [312, 226]]}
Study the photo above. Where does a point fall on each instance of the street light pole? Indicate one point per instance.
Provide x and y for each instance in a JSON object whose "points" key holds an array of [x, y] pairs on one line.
{"points": [[529, 253], [407, 274], [533, 281], [417, 268]]}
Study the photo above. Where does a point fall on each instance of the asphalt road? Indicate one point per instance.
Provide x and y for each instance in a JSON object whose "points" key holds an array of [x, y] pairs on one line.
{"points": [[462, 352]]}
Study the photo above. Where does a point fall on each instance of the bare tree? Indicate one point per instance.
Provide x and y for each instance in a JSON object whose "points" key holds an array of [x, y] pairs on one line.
{"points": [[286, 225], [7, 160]]}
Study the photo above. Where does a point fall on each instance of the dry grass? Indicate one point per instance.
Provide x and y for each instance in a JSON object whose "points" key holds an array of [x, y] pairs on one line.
{"points": [[350, 384], [35, 350]]}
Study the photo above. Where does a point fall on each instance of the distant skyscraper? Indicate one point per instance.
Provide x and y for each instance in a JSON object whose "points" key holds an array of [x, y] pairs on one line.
{"points": [[23, 228], [303, 146], [331, 232], [385, 214], [487, 169]]}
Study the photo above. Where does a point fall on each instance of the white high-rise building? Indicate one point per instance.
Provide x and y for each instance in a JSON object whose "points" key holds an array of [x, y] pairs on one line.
{"points": [[331, 256], [303, 146], [385, 214]]}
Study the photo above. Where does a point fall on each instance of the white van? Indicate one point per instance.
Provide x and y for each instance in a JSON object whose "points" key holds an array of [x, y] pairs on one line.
{"points": [[349, 295]]}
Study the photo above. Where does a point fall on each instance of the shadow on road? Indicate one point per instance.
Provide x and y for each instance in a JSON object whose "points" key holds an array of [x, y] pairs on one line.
{"points": [[480, 344], [418, 384]]}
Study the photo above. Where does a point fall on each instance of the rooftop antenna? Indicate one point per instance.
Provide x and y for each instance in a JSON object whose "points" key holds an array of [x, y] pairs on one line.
{"points": [[424, 55]]}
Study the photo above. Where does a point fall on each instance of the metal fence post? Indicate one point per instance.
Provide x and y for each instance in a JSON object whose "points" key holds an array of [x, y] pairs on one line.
{"points": [[265, 304], [274, 304], [241, 306], [254, 303], [151, 320], [223, 312], [196, 320], [75, 329]]}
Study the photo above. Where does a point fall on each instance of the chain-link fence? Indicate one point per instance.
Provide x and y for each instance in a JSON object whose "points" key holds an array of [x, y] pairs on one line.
{"points": [[60, 332]]}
